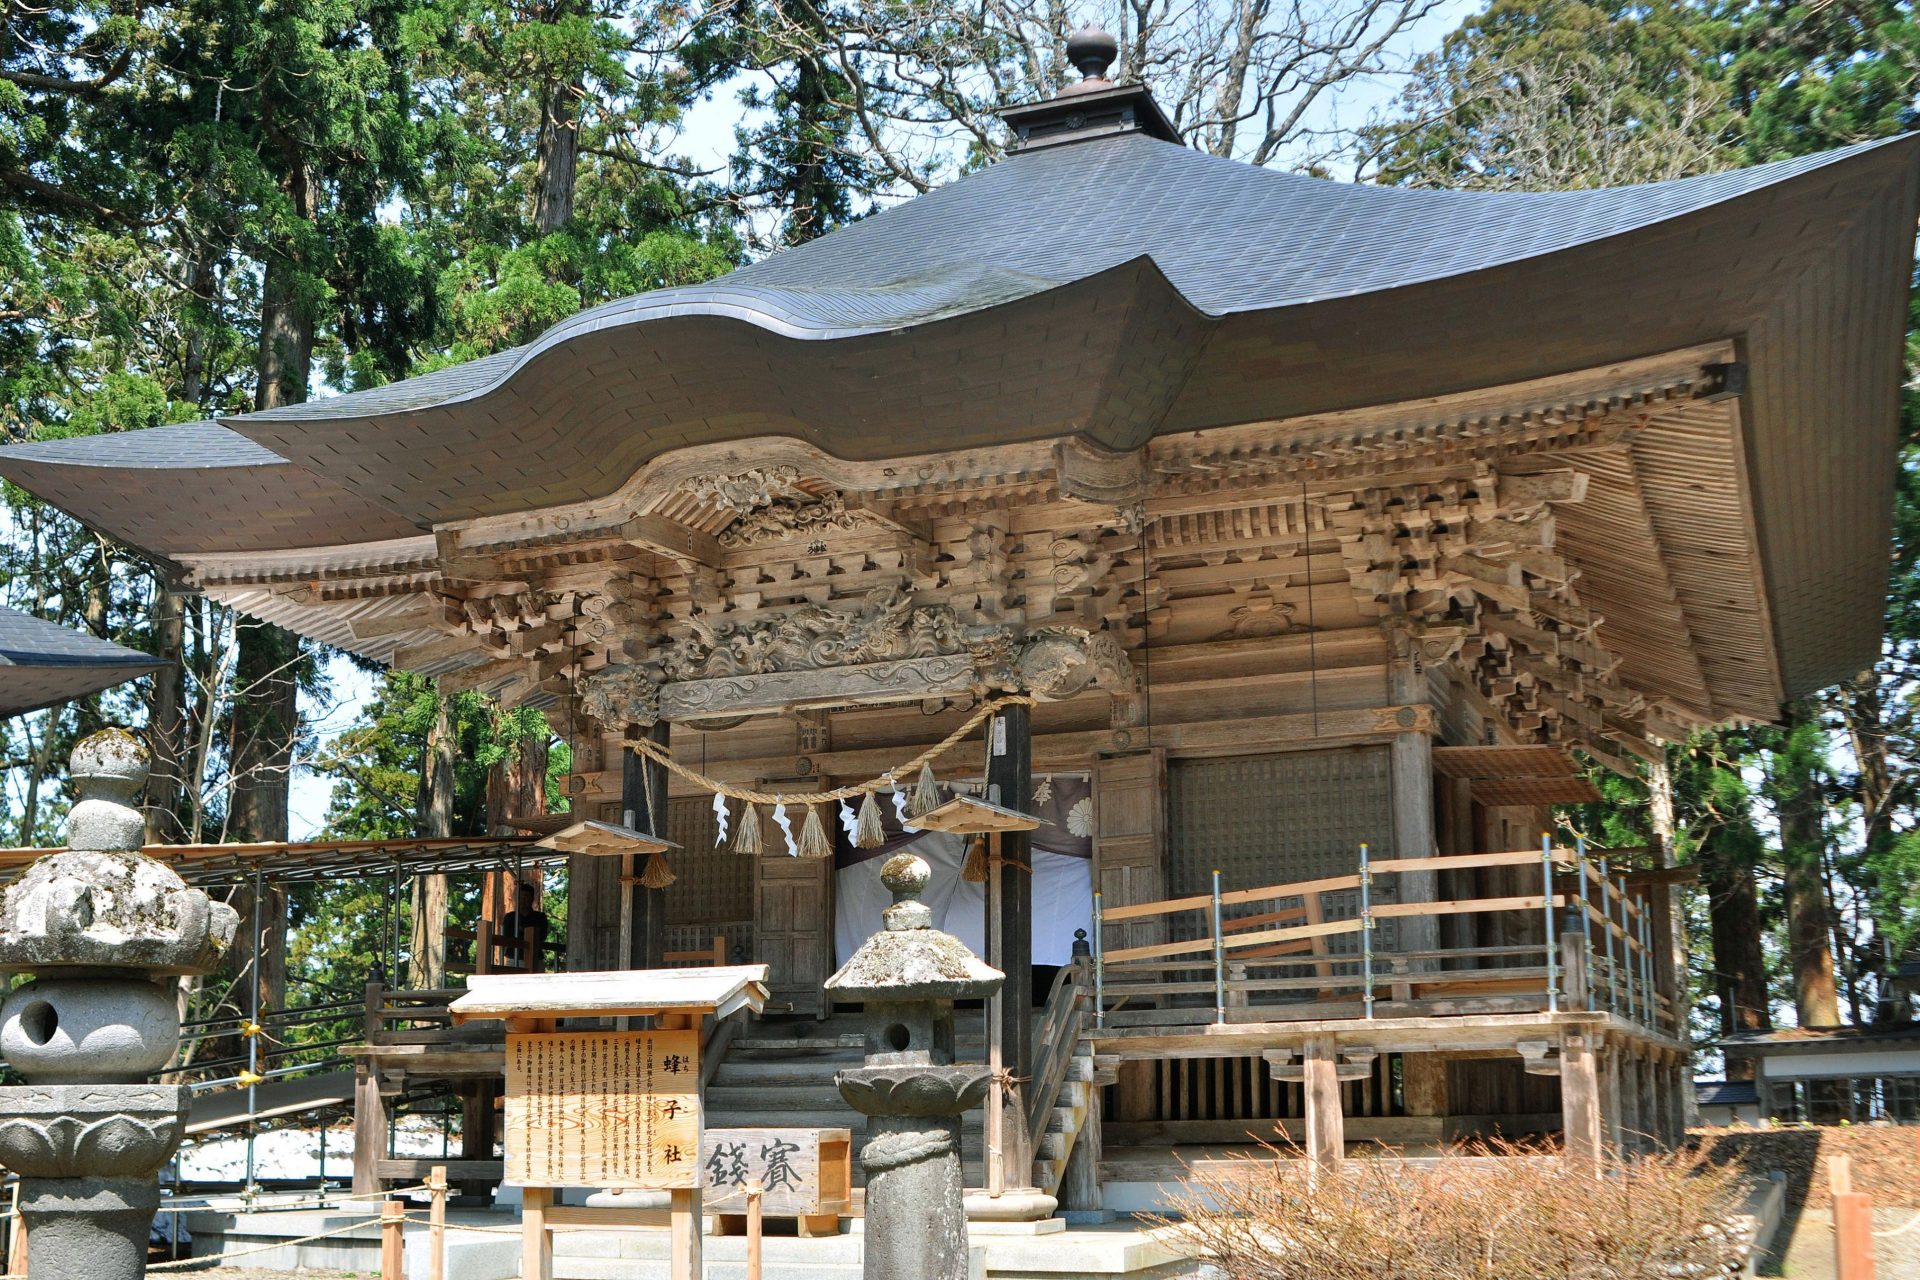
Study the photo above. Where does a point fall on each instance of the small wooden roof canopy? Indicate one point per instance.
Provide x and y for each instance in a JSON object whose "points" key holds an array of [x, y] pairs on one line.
{"points": [[968, 815], [604, 839], [613, 994], [302, 861]]}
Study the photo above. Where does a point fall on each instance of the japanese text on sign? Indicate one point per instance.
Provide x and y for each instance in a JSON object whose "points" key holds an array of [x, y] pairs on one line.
{"points": [[604, 1109]]}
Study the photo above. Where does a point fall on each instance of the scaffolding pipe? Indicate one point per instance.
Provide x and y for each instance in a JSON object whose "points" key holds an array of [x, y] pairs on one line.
{"points": [[1366, 932], [1219, 958], [1606, 914], [1553, 943], [1626, 949], [258, 914], [1652, 1009], [1586, 915]]}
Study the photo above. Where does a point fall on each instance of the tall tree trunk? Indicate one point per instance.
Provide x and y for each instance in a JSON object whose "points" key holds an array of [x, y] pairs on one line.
{"points": [[1862, 712], [516, 787], [167, 725], [1733, 920], [266, 710], [265, 720], [558, 156], [429, 949], [1816, 999]]}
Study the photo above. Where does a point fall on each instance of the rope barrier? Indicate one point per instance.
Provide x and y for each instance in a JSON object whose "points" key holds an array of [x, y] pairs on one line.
{"points": [[221, 1259], [663, 756], [1912, 1222]]}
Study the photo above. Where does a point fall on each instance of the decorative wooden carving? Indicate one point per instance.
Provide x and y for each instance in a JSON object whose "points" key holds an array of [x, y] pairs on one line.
{"points": [[885, 649]]}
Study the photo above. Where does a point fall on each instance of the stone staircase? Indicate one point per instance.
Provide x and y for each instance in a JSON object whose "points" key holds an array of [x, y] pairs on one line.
{"points": [[779, 1073]]}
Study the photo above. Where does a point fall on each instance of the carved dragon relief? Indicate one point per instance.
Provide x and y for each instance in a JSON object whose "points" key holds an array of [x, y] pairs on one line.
{"points": [[884, 648], [768, 505]]}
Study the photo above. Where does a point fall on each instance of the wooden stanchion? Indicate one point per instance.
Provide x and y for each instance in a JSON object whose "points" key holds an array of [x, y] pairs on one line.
{"points": [[393, 1228], [753, 1229], [437, 1224], [1852, 1236], [1852, 1223], [17, 1237]]}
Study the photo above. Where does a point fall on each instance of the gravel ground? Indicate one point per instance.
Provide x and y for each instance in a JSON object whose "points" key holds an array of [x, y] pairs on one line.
{"points": [[257, 1273]]}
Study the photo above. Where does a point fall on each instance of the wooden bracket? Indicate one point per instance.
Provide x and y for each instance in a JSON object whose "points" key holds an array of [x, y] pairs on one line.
{"points": [[1539, 1058], [1355, 1063]]}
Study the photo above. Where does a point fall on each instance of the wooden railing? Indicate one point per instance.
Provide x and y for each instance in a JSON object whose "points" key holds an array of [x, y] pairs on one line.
{"points": [[1063, 1018], [1256, 966]]}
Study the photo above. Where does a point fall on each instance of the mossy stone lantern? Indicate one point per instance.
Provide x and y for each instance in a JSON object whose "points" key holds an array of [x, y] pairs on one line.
{"points": [[911, 1090]]}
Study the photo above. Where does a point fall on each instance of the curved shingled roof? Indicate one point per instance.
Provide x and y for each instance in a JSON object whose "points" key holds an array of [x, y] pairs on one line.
{"points": [[1121, 287], [42, 663]]}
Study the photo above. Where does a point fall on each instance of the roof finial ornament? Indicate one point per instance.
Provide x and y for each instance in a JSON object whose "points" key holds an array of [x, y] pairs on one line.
{"points": [[1091, 50]]}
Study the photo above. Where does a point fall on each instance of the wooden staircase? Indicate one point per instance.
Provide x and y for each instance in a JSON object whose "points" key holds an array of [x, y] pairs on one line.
{"points": [[778, 1072]]}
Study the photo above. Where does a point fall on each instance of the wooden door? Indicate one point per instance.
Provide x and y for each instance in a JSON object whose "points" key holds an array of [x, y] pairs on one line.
{"points": [[793, 927], [1130, 841]]}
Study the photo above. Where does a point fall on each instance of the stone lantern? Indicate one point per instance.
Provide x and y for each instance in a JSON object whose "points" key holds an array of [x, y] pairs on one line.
{"points": [[104, 929], [907, 977]]}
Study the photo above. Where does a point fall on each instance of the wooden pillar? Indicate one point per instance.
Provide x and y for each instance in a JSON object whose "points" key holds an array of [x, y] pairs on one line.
{"points": [[1609, 1059], [1423, 1084], [643, 804], [1326, 1115], [1080, 1181], [1010, 930], [1580, 1098], [369, 1131], [1412, 769], [684, 1217], [536, 1248]]}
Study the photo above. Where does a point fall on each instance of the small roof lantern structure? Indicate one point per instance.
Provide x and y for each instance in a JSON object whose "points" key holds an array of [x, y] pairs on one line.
{"points": [[720, 990]]}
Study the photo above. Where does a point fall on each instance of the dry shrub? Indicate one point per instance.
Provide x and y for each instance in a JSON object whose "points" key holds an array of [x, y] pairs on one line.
{"points": [[1886, 1159], [1490, 1212]]}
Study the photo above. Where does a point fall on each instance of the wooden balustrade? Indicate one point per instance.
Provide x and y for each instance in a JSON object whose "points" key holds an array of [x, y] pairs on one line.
{"points": [[1279, 964]]}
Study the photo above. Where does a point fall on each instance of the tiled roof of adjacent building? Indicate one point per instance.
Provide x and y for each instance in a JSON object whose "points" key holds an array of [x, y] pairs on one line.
{"points": [[42, 663]]}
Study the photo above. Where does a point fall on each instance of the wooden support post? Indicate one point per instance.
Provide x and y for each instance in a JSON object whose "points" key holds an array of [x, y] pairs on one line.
{"points": [[1573, 969], [1326, 1115], [369, 1131], [16, 1237], [1080, 1181], [684, 1207], [753, 1229], [536, 1247], [1411, 763], [643, 804], [393, 1228], [1010, 932], [1580, 1099], [1852, 1236], [437, 1224], [1610, 1098]]}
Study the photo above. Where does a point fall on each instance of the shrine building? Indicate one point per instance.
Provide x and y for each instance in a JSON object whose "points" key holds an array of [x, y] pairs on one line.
{"points": [[1286, 547]]}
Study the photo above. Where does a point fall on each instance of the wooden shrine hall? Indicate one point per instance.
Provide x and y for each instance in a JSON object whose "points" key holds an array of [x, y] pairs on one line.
{"points": [[1286, 547]]}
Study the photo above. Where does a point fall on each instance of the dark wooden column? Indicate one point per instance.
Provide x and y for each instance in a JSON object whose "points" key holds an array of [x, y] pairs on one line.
{"points": [[1010, 923], [643, 804]]}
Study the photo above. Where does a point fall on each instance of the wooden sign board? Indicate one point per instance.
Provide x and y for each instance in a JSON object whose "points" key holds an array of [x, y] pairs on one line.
{"points": [[604, 1109], [803, 1173]]}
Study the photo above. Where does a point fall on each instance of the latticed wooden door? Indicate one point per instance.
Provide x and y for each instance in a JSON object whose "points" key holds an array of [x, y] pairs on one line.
{"points": [[1277, 819], [1130, 841]]}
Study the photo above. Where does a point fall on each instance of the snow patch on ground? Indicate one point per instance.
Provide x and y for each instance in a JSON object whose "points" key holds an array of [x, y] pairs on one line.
{"points": [[294, 1153]]}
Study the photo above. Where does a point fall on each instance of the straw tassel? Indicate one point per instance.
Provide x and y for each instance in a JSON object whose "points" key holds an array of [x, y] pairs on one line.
{"points": [[748, 841], [813, 836], [974, 869], [867, 831], [926, 794], [658, 875]]}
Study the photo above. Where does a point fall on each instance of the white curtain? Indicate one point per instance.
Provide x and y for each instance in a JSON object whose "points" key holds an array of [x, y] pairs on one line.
{"points": [[1062, 899]]}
